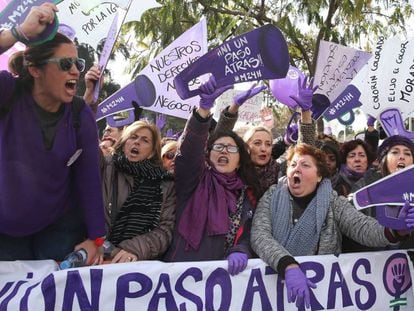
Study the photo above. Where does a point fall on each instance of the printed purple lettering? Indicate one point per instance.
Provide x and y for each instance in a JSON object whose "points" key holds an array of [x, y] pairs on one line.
{"points": [[219, 277], [370, 288], [123, 287], [74, 287], [167, 295], [336, 273], [256, 277], [197, 275]]}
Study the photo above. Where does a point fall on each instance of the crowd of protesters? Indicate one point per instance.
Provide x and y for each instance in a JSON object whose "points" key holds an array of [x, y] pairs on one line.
{"points": [[206, 194]]}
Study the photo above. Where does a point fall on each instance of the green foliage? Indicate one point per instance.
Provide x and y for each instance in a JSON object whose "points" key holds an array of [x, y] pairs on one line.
{"points": [[303, 22]]}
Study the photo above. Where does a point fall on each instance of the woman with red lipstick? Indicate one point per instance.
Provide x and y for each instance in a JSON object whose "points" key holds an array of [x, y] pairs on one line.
{"points": [[216, 191], [302, 216], [51, 198], [139, 196]]}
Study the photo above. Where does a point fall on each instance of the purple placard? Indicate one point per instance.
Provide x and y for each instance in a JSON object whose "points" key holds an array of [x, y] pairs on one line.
{"points": [[118, 122], [141, 90], [388, 195], [348, 100], [393, 123], [16, 12], [257, 55], [106, 53], [117, 102]]}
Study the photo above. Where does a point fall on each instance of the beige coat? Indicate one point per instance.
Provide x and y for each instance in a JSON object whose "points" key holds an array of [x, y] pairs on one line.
{"points": [[153, 244]]}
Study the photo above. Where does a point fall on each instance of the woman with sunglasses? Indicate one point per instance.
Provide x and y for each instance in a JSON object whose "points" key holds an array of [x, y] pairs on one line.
{"points": [[168, 153], [51, 197], [216, 191]]}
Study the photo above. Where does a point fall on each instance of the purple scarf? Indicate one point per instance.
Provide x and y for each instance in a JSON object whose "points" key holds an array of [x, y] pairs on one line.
{"points": [[350, 174], [212, 201]]}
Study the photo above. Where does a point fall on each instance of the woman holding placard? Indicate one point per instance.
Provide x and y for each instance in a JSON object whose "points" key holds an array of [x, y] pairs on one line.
{"points": [[216, 191]]}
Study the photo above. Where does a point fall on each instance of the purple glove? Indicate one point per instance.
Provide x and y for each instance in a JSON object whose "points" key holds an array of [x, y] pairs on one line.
{"points": [[169, 133], [160, 121], [177, 135], [305, 93], [297, 286], [245, 95], [370, 121], [407, 214], [291, 134], [209, 92], [237, 262]]}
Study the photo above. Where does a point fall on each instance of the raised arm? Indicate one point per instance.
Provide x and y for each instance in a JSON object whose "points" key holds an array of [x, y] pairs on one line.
{"points": [[34, 24]]}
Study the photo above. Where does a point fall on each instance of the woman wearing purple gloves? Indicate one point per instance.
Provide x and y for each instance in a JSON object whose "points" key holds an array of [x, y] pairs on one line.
{"points": [[263, 150], [302, 216], [215, 191]]}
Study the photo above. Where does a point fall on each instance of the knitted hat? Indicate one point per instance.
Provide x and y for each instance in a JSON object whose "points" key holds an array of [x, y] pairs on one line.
{"points": [[395, 140]]}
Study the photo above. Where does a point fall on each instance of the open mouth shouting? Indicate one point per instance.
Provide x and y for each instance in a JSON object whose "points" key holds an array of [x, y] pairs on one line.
{"points": [[222, 160], [400, 166], [70, 86]]}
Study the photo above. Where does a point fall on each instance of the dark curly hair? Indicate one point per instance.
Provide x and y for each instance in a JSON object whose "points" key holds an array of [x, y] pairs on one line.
{"points": [[246, 170], [348, 146], [317, 154]]}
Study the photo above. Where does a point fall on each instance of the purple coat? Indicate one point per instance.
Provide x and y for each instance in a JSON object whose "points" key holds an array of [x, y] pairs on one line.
{"points": [[36, 185], [190, 166]]}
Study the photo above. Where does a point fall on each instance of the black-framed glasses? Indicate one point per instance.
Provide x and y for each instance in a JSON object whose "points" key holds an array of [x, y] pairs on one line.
{"points": [[170, 155], [66, 63], [221, 147]]}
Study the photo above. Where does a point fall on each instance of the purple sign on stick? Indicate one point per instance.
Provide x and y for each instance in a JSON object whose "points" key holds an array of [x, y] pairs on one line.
{"points": [[141, 90], [257, 55], [344, 103], [106, 53], [15, 13]]}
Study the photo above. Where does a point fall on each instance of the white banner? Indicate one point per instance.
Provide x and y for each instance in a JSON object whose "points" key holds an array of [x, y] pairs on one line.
{"points": [[153, 87], [249, 112], [162, 70], [337, 65], [360, 281]]}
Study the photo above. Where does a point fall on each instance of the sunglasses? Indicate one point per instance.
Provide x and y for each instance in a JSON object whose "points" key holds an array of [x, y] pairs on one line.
{"points": [[221, 147], [169, 155], [66, 63]]}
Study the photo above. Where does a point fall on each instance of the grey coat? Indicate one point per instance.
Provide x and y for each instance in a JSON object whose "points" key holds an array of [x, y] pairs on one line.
{"points": [[341, 218]]}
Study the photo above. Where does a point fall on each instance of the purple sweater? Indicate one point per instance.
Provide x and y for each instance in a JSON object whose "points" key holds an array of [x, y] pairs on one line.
{"points": [[36, 185]]}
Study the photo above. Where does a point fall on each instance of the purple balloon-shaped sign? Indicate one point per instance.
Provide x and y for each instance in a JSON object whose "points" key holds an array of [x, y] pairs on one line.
{"points": [[282, 89], [257, 55]]}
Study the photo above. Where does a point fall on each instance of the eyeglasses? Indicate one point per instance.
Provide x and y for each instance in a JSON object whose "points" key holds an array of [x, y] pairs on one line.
{"points": [[221, 147], [66, 63], [170, 155]]}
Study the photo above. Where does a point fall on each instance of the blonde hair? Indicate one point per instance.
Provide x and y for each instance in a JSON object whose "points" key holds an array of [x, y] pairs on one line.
{"points": [[137, 125], [172, 145], [253, 130]]}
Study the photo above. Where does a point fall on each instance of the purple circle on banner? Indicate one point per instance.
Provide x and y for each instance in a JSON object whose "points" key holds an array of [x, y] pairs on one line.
{"points": [[282, 89], [396, 275], [145, 89]]}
